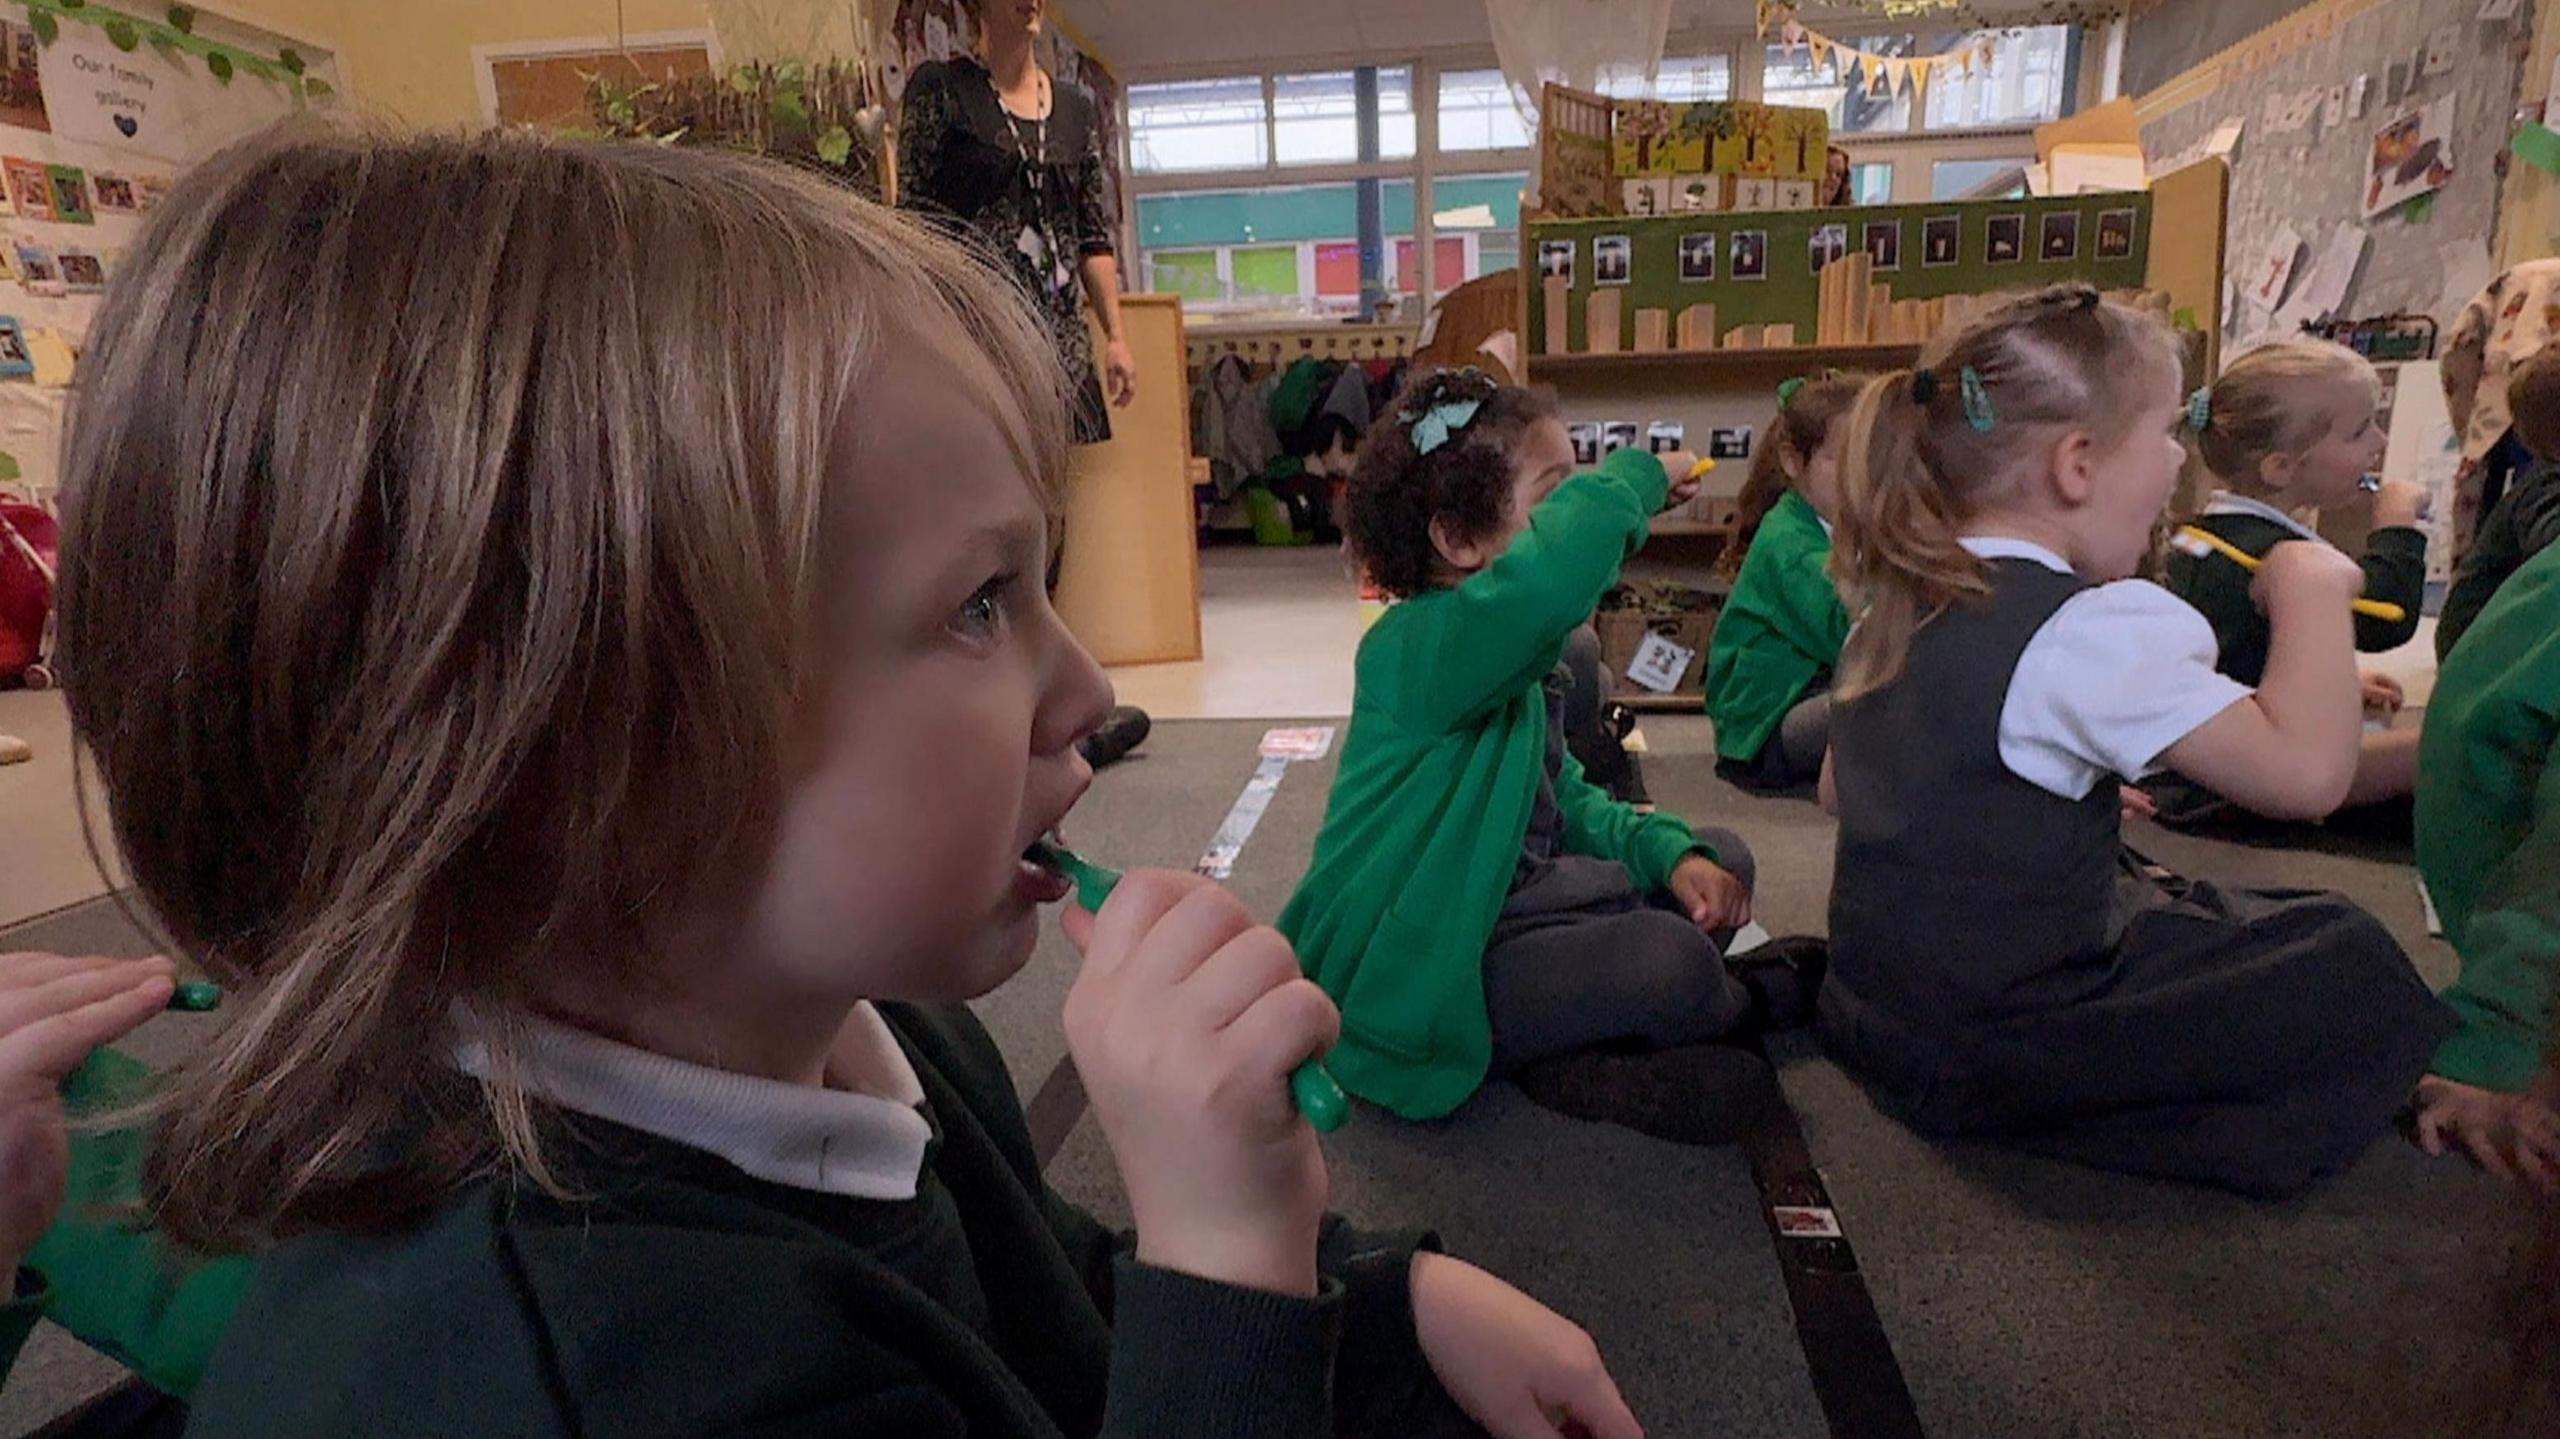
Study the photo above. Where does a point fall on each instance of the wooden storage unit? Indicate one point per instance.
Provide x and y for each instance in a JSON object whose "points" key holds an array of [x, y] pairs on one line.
{"points": [[1129, 578]]}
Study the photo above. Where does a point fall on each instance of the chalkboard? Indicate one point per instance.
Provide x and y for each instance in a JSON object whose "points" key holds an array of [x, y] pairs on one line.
{"points": [[1788, 289]]}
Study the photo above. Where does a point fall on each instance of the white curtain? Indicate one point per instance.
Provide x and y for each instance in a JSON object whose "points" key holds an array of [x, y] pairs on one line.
{"points": [[1575, 42]]}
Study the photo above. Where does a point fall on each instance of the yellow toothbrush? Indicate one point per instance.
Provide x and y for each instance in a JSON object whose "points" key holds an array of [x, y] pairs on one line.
{"points": [[2199, 542]]}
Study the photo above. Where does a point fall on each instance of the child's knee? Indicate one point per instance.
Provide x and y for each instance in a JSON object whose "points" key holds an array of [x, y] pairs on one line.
{"points": [[1731, 854]]}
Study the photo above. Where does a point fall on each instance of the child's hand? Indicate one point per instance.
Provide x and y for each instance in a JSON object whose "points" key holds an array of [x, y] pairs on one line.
{"points": [[53, 1011], [2383, 696], [1185, 1025], [1515, 1366], [2300, 572], [2398, 502], [2132, 803], [1678, 464], [2513, 1136], [1712, 897]]}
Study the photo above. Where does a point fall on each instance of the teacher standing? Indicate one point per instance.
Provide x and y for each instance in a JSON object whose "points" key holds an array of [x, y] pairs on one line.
{"points": [[987, 141]]}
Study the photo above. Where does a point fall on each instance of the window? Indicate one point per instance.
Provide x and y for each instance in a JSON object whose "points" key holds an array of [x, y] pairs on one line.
{"points": [[2023, 85], [1481, 215], [1296, 247], [1958, 179], [1871, 184], [1690, 77], [1316, 117], [1265, 270], [1479, 111], [1198, 125]]}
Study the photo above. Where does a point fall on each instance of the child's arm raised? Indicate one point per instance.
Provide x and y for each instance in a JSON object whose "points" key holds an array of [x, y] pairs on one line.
{"points": [[2395, 568], [1497, 632], [2288, 751]]}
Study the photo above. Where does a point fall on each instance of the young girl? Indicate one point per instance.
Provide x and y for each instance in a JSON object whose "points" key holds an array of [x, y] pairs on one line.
{"points": [[1769, 666], [2001, 968], [1475, 904], [2290, 426], [2489, 847], [605, 766]]}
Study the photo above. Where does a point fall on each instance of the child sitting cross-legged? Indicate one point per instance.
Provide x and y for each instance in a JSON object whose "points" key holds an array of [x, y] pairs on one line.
{"points": [[1475, 904], [2525, 519]]}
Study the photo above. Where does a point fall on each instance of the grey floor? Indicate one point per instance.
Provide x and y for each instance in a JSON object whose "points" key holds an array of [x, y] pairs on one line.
{"points": [[2022, 1297]]}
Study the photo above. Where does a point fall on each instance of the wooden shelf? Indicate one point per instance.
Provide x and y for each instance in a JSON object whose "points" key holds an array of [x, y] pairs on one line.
{"points": [[1647, 702], [1690, 529], [1802, 357]]}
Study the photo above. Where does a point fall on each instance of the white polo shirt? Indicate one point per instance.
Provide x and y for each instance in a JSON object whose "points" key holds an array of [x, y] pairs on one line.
{"points": [[2121, 672]]}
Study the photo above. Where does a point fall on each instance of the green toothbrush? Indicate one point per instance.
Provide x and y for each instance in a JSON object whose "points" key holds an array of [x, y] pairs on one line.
{"points": [[1319, 1095], [195, 997]]}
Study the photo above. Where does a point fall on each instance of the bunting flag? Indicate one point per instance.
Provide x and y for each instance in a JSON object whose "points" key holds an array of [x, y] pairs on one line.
{"points": [[1767, 11], [1794, 34], [1920, 67], [1820, 48]]}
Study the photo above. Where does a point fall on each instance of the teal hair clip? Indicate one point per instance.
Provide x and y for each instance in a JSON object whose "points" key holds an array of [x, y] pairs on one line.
{"points": [[2200, 409], [1977, 400], [1433, 428], [1318, 1094], [1787, 390]]}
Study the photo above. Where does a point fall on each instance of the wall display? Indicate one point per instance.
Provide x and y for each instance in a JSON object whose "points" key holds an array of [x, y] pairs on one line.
{"points": [[2004, 239], [1573, 152], [30, 188], [1616, 435], [17, 362], [1829, 246], [1555, 260], [150, 190], [71, 194], [1585, 435], [2060, 238], [1729, 443], [1719, 137], [1612, 259], [2115, 233], [2412, 156], [1698, 257], [2264, 279], [114, 194], [1750, 254], [1664, 436], [1647, 197], [1940, 236], [1884, 244], [21, 77], [39, 271], [82, 270]]}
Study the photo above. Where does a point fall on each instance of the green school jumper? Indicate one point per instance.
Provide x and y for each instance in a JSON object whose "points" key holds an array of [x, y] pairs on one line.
{"points": [[118, 1288], [677, 1295], [1782, 626], [2489, 828], [2395, 571], [1445, 752]]}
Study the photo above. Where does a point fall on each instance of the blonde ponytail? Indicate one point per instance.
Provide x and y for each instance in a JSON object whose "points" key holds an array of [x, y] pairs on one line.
{"points": [[1898, 555]]}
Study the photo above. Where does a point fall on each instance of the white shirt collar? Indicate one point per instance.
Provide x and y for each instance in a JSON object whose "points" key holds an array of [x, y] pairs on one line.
{"points": [[2224, 502], [2001, 547], [867, 1141]]}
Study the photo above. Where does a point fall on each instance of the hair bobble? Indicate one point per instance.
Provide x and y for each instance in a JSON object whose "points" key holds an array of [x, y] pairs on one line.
{"points": [[1977, 400], [1924, 386], [1787, 390], [2200, 409]]}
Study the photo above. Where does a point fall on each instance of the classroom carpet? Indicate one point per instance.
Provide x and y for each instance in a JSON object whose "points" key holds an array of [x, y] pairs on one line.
{"points": [[2018, 1296]]}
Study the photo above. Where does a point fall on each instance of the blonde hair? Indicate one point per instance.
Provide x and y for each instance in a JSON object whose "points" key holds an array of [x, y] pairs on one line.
{"points": [[2267, 403], [1918, 466], [443, 534]]}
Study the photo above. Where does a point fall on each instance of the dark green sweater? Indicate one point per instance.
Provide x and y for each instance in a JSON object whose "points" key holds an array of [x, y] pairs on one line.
{"points": [[2395, 571], [680, 1296], [2522, 524]]}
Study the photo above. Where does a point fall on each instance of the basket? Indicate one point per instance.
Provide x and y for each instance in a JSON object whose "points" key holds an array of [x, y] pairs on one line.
{"points": [[1680, 614]]}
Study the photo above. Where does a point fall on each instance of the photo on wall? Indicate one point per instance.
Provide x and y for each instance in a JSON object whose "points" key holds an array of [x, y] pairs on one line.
{"points": [[2004, 239], [1828, 246], [16, 360], [114, 194], [2115, 233], [22, 76], [1555, 260], [71, 194], [82, 270], [39, 271], [2060, 237], [1729, 442], [30, 189], [1585, 435], [1751, 254], [1664, 436], [1698, 256], [1613, 260], [1616, 435], [1941, 239], [1884, 244]]}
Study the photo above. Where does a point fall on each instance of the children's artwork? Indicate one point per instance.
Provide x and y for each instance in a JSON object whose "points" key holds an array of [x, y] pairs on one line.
{"points": [[1664, 436], [2357, 90], [114, 194], [1555, 260], [1612, 260], [1647, 196], [150, 190], [30, 188], [2005, 239], [2412, 156], [1697, 194], [2060, 237], [22, 77], [2265, 280], [17, 362], [1653, 137], [1750, 254], [1795, 195], [1585, 435], [2444, 48], [1616, 435], [2395, 82], [1698, 257], [82, 270], [2115, 233], [39, 271], [2333, 108], [1729, 442], [1884, 244], [1828, 246], [1941, 238], [71, 194], [1755, 192]]}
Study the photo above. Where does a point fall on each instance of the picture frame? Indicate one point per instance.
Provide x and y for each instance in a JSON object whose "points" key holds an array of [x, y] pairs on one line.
{"points": [[1750, 255], [17, 362], [1883, 244], [30, 188], [1729, 442], [1585, 435], [1828, 245], [39, 271], [71, 195], [1698, 257], [114, 194], [1616, 435], [1941, 241], [1613, 260], [82, 271], [1556, 260], [2058, 237], [2116, 231], [2004, 240]]}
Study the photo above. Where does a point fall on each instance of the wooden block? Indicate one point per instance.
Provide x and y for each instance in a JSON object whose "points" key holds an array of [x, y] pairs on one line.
{"points": [[1743, 337], [1856, 292], [1653, 331], [1879, 312], [1559, 305], [1603, 319], [1698, 327], [1827, 306], [1779, 337]]}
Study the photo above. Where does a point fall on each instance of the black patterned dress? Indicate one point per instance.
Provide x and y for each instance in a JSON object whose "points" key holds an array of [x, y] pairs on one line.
{"points": [[1030, 194]]}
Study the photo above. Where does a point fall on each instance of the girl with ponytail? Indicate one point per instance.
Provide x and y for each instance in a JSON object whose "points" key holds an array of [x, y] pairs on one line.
{"points": [[2002, 967]]}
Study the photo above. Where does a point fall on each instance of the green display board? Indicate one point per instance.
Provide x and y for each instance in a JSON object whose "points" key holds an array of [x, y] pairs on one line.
{"points": [[2104, 240]]}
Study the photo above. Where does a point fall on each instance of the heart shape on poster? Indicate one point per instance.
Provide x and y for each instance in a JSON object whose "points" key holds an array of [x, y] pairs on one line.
{"points": [[126, 124]]}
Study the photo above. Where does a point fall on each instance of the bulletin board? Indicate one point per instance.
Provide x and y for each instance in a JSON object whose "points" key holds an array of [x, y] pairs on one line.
{"points": [[1788, 289], [106, 106], [2304, 163]]}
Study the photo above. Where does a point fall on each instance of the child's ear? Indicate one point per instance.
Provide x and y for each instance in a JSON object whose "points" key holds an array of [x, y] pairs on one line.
{"points": [[1458, 552], [2276, 471], [2074, 468], [1793, 461]]}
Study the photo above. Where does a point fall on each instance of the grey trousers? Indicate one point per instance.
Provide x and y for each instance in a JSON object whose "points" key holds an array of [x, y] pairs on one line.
{"points": [[1793, 755], [1624, 968]]}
